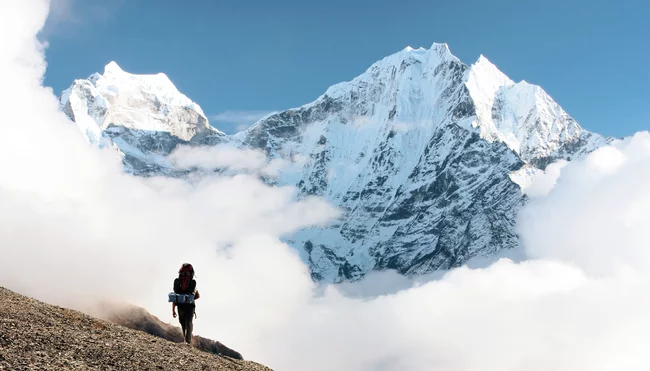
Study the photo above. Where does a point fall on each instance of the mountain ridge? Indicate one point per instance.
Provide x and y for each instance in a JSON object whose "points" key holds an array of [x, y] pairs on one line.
{"points": [[419, 152]]}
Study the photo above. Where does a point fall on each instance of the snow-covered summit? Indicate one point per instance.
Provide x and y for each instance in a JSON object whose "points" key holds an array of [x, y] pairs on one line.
{"points": [[144, 116], [142, 102], [115, 79], [385, 70], [420, 151], [521, 115]]}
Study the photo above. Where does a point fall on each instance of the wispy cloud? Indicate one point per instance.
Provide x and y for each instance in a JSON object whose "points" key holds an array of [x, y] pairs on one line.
{"points": [[237, 120], [226, 156], [69, 15]]}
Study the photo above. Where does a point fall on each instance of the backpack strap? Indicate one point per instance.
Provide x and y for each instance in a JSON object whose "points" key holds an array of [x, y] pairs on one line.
{"points": [[177, 286]]}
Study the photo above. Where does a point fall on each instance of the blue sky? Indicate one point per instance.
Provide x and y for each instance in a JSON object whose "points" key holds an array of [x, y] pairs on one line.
{"points": [[238, 59]]}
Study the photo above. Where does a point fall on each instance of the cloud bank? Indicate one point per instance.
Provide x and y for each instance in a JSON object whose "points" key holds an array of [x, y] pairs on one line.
{"points": [[76, 229]]}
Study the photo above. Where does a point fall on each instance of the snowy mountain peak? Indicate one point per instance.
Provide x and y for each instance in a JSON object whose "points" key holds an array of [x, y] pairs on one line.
{"points": [[116, 81], [484, 78], [112, 67], [419, 152], [140, 102], [160, 82], [483, 61], [144, 116], [441, 49], [437, 48], [439, 52], [401, 71], [521, 115], [405, 85]]}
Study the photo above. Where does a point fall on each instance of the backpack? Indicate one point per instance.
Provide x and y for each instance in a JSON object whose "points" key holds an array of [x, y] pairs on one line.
{"points": [[189, 288]]}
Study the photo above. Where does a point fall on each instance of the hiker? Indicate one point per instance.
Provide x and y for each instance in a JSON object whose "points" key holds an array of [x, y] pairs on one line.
{"points": [[185, 285]]}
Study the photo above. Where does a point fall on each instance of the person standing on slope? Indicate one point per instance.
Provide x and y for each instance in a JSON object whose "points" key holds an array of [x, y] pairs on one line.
{"points": [[185, 284]]}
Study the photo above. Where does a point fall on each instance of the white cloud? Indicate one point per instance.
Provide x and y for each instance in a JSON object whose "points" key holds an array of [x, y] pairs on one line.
{"points": [[240, 119], [242, 127], [542, 181], [226, 156], [70, 15], [70, 215], [405, 127], [401, 127], [598, 213], [361, 122]]}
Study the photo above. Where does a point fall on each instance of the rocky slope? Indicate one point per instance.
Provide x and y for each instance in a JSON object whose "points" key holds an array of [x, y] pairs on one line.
{"points": [[421, 152], [38, 336], [140, 319]]}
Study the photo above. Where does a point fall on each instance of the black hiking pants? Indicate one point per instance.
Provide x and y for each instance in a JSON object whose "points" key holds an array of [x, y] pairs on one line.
{"points": [[185, 317]]}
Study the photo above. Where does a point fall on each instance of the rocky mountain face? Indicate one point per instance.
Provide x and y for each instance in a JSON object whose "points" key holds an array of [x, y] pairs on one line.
{"points": [[419, 152]]}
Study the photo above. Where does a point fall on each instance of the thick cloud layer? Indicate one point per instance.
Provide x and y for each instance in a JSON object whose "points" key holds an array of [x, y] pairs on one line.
{"points": [[75, 229], [597, 215]]}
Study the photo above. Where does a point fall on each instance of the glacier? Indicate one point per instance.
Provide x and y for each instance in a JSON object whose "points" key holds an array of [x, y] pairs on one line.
{"points": [[425, 155]]}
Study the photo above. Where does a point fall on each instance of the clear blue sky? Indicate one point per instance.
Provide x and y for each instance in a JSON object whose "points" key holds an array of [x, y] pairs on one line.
{"points": [[592, 56]]}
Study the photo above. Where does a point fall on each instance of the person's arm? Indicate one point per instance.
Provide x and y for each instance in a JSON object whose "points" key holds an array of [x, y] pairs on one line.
{"points": [[196, 291], [173, 303]]}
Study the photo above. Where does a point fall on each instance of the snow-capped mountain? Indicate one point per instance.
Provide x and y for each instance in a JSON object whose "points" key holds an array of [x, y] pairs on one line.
{"points": [[144, 116], [421, 152]]}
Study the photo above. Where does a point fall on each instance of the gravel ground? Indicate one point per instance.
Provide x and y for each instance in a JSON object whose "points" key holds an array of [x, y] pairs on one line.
{"points": [[39, 336]]}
